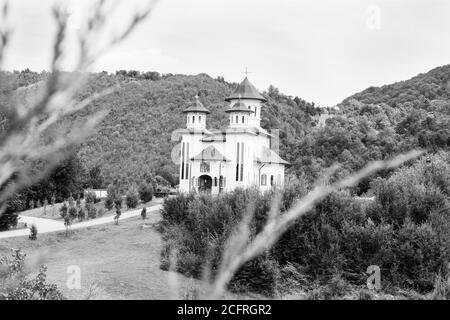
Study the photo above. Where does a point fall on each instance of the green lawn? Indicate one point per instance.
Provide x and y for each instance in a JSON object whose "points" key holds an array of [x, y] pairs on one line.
{"points": [[122, 260]]}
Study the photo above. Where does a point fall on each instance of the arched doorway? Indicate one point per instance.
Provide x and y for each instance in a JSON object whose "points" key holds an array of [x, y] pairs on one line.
{"points": [[204, 183]]}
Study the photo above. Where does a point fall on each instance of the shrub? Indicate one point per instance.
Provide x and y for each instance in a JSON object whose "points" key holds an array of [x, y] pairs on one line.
{"points": [[8, 218], [109, 203], [132, 198], [412, 192], [81, 214], [111, 197], [197, 226], [146, 193], [337, 240], [73, 213], [24, 288], [64, 210], [118, 203], [33, 232], [118, 213], [91, 197], [91, 211]]}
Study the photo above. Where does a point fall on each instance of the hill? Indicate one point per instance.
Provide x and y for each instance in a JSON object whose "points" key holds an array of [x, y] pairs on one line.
{"points": [[135, 137]]}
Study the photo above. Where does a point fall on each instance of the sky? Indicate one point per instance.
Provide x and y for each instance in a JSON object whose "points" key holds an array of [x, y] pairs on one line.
{"points": [[320, 50]]}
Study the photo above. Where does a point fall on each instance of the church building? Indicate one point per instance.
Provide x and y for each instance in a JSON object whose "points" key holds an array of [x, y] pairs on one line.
{"points": [[239, 156]]}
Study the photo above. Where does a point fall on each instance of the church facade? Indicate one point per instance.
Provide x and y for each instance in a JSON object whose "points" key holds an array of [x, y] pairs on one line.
{"points": [[238, 157]]}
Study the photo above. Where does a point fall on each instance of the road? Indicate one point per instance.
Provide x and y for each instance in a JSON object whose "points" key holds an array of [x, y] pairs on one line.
{"points": [[48, 225]]}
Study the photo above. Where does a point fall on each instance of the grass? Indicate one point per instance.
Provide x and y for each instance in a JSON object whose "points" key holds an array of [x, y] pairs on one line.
{"points": [[122, 261]]}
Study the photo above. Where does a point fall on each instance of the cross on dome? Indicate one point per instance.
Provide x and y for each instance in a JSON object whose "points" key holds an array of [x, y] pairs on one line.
{"points": [[246, 72]]}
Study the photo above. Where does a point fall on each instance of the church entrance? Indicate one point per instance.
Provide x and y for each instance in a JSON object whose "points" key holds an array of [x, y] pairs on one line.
{"points": [[204, 183]]}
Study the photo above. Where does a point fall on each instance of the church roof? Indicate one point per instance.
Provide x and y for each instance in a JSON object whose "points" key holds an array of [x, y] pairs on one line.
{"points": [[210, 154], [269, 156], [245, 90], [239, 107], [197, 106]]}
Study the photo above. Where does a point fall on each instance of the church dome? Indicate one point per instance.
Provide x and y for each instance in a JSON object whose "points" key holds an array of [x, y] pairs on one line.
{"points": [[197, 106], [246, 90], [239, 107]]}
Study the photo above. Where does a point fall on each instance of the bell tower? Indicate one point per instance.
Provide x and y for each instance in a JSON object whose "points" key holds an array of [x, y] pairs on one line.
{"points": [[246, 96], [196, 115]]}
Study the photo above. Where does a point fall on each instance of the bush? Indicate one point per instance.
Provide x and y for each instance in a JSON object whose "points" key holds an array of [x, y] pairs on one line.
{"points": [[91, 211], [338, 238], [9, 216], [91, 197], [146, 193], [111, 197], [33, 232], [197, 226], [73, 213], [23, 288], [132, 198], [81, 214], [63, 211]]}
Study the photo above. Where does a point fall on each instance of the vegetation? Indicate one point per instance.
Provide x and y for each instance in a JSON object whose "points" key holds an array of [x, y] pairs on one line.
{"points": [[146, 192], [33, 232], [16, 285], [132, 198], [338, 239]]}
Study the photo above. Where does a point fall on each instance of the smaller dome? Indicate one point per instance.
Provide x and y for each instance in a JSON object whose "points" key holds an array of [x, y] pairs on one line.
{"points": [[197, 106], [239, 107]]}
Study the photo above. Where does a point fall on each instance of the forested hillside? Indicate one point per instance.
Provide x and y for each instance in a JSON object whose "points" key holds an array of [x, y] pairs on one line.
{"points": [[378, 123], [135, 137]]}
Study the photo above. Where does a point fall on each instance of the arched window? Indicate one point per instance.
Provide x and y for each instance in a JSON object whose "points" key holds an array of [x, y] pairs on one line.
{"points": [[200, 119], [215, 181], [243, 118], [193, 119], [271, 181], [237, 119], [263, 179]]}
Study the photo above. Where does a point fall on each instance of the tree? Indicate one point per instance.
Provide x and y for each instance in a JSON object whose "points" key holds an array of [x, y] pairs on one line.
{"points": [[73, 213], [95, 178], [64, 210], [111, 197], [33, 232], [91, 211], [118, 213], [14, 205], [45, 206], [81, 214], [91, 197], [146, 192], [132, 198]]}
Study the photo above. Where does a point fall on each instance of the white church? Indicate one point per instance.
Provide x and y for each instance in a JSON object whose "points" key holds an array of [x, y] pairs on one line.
{"points": [[238, 157]]}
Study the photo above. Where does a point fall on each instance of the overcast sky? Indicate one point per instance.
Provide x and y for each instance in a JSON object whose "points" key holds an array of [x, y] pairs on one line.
{"points": [[320, 50]]}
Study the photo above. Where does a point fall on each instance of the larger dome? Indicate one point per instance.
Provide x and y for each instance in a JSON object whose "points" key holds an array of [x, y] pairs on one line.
{"points": [[245, 90]]}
